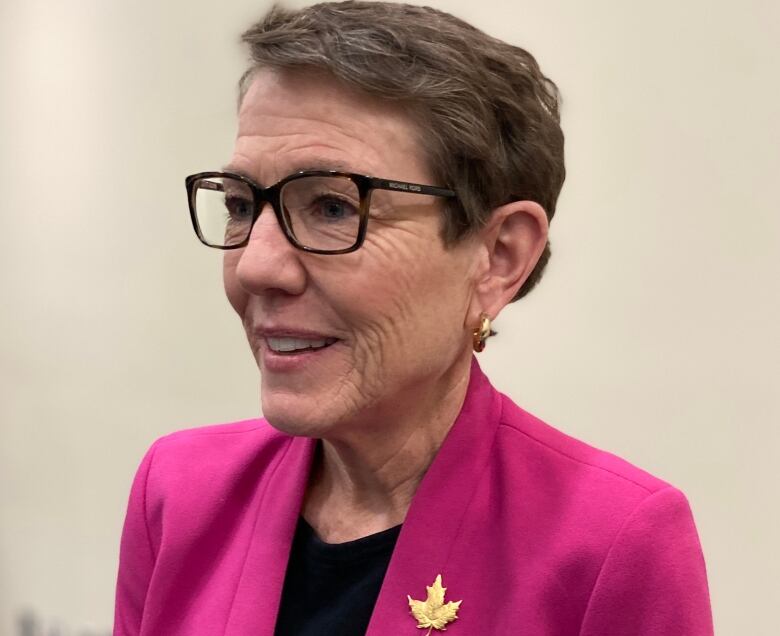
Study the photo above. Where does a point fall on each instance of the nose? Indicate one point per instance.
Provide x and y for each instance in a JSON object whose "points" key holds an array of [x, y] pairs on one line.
{"points": [[269, 262]]}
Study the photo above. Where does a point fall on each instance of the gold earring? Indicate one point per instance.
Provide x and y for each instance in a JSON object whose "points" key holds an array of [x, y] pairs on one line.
{"points": [[482, 332]]}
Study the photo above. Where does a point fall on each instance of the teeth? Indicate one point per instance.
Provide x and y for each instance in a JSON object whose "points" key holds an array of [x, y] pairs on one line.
{"points": [[286, 345]]}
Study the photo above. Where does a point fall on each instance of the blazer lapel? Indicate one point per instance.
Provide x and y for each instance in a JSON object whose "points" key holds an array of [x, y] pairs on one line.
{"points": [[435, 515], [280, 496]]}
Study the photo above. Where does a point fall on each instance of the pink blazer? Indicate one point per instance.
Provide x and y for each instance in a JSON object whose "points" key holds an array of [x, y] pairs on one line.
{"points": [[535, 532]]}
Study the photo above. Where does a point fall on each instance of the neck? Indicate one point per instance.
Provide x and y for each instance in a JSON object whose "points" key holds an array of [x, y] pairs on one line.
{"points": [[363, 481]]}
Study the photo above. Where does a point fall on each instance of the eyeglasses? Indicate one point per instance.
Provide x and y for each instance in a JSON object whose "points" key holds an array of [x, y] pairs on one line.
{"points": [[319, 211]]}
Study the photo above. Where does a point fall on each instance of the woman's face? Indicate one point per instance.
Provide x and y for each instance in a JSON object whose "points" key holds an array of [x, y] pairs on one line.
{"points": [[398, 308]]}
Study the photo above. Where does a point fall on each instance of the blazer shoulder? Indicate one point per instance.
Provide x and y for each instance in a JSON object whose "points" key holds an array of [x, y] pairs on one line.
{"points": [[230, 428], [566, 454], [249, 435], [212, 458]]}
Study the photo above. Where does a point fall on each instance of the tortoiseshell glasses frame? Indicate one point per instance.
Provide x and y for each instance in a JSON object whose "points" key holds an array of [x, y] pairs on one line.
{"points": [[275, 196]]}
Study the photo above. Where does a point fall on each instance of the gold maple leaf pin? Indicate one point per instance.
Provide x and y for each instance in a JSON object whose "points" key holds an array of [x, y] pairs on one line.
{"points": [[434, 613]]}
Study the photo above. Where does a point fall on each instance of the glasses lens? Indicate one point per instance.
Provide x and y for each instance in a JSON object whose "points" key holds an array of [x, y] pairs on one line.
{"points": [[322, 213], [223, 208]]}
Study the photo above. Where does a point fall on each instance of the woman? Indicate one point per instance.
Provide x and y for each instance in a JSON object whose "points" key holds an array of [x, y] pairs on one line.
{"points": [[390, 487]]}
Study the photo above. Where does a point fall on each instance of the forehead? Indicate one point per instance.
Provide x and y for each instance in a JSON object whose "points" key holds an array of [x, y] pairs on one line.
{"points": [[290, 121]]}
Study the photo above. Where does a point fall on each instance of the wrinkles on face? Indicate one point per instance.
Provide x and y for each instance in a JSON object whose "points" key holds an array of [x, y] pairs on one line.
{"points": [[404, 316]]}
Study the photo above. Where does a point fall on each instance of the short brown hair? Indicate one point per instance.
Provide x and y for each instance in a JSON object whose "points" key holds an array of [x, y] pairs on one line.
{"points": [[488, 115]]}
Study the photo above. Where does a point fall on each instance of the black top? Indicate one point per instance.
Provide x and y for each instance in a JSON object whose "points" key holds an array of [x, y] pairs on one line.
{"points": [[331, 588]]}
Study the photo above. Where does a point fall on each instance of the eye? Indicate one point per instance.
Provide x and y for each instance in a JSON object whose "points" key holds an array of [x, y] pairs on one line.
{"points": [[332, 208], [238, 208]]}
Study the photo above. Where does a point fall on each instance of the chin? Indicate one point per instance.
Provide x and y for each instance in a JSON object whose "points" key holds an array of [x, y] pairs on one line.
{"points": [[301, 416]]}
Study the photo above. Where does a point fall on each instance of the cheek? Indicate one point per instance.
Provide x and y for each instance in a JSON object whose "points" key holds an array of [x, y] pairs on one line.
{"points": [[408, 302]]}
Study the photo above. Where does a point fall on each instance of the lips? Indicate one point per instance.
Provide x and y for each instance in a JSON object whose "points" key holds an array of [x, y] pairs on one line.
{"points": [[287, 341], [287, 344]]}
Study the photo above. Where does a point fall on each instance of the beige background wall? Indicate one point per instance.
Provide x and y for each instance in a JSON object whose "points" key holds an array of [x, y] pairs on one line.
{"points": [[654, 334]]}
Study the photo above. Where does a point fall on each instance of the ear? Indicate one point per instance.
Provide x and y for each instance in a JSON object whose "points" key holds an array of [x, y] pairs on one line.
{"points": [[513, 241]]}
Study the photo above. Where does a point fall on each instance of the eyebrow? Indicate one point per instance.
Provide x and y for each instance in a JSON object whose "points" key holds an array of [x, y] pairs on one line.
{"points": [[312, 164]]}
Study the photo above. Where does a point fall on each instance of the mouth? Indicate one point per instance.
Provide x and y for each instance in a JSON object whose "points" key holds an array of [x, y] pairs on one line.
{"points": [[289, 346]]}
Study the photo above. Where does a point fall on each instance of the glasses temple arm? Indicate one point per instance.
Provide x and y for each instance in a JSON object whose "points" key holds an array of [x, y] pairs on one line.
{"points": [[417, 188]]}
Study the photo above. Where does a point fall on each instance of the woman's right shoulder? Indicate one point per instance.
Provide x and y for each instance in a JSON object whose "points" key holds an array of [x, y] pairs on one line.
{"points": [[257, 430], [210, 458], [244, 437]]}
